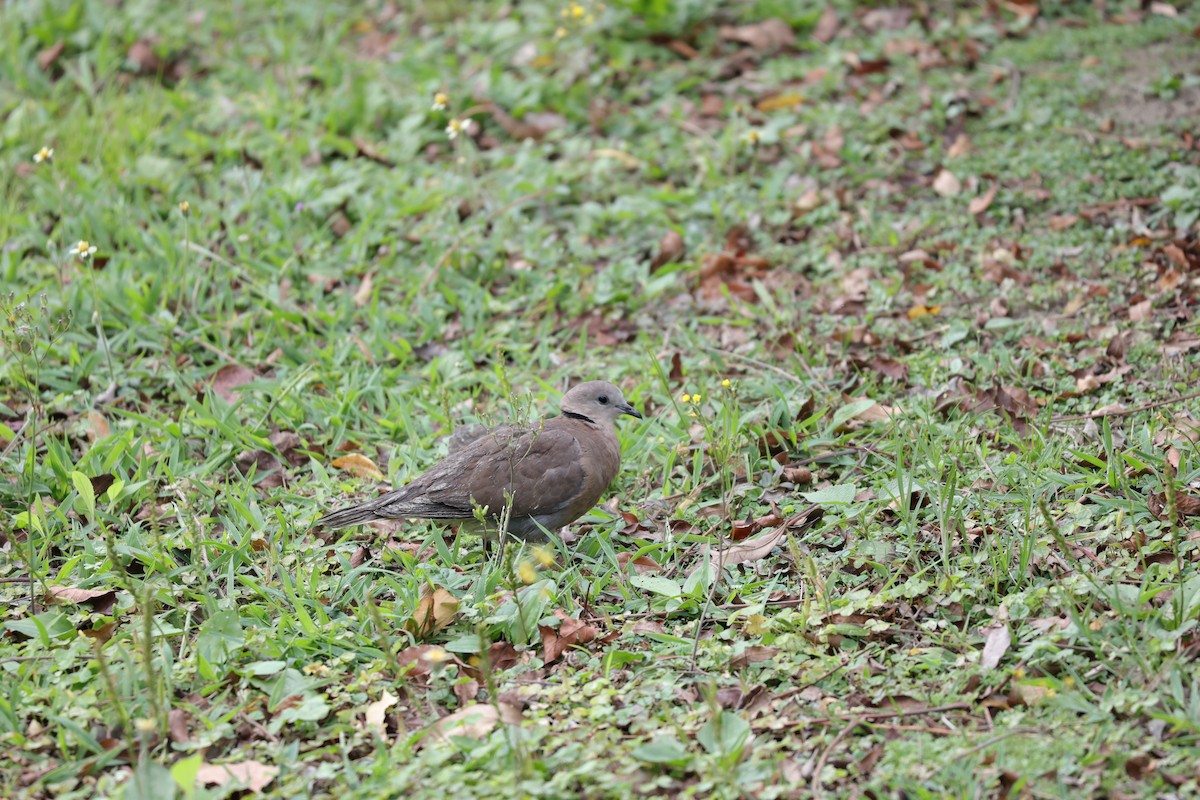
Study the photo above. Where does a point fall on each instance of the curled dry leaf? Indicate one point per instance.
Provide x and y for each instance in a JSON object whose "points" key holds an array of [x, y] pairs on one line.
{"points": [[254, 775], [982, 203], [358, 465], [1186, 505], [570, 632], [435, 610], [101, 600]]}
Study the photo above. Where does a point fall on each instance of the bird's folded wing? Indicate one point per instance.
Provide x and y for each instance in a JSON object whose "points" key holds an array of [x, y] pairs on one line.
{"points": [[541, 469]]}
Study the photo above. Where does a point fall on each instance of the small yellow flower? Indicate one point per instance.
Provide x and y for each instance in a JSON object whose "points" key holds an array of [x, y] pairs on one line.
{"points": [[695, 398], [45, 154], [752, 137], [685, 398], [526, 572], [543, 556], [440, 101], [145, 725], [456, 127], [319, 670], [577, 10], [726, 383], [437, 655], [83, 249], [185, 207]]}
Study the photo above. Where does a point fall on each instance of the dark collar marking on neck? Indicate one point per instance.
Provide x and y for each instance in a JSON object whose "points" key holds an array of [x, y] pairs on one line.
{"points": [[573, 415]]}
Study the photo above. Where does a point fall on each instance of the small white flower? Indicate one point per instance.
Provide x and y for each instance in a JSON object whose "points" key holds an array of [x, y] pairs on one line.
{"points": [[752, 137], [440, 101], [83, 248], [45, 154], [456, 127]]}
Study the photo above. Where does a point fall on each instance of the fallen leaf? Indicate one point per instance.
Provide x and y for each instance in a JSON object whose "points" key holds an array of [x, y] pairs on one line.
{"points": [[142, 57], [435, 610], [376, 711], [984, 201], [48, 57], [228, 378], [1140, 312], [570, 632], [753, 549], [358, 465], [947, 184], [97, 426], [473, 722], [254, 775], [998, 640], [827, 26], [671, 248], [1060, 222], [363, 295], [101, 600], [754, 654], [177, 726], [765, 35]]}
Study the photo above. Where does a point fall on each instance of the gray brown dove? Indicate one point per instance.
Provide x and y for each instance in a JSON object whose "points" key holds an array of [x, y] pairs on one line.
{"points": [[552, 472]]}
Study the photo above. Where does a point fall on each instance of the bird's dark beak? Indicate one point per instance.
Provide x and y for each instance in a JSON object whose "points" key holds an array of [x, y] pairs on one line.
{"points": [[625, 408]]}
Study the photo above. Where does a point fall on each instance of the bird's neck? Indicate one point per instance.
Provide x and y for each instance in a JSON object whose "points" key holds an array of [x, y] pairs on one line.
{"points": [[580, 417]]}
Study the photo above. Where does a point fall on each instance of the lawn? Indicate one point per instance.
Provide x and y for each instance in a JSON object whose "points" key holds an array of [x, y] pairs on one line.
{"points": [[907, 295]]}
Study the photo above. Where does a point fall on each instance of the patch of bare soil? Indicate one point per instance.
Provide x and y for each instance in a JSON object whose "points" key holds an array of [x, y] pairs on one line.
{"points": [[1129, 97]]}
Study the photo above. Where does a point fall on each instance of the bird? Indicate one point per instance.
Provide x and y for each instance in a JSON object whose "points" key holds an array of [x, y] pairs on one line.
{"points": [[551, 472]]}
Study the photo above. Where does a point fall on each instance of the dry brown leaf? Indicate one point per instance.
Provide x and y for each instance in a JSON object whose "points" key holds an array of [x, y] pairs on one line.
{"points": [[97, 426], [177, 726], [671, 249], [754, 654], [254, 775], [358, 465], [827, 26], [959, 147], [48, 57], [376, 711], [752, 549], [363, 295], [998, 640], [435, 610], [765, 35], [473, 722], [1060, 222], [228, 378], [947, 184], [981, 204], [101, 600], [570, 632], [1140, 312]]}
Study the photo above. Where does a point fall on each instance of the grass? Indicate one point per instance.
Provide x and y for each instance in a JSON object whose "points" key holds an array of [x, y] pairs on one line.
{"points": [[992, 595]]}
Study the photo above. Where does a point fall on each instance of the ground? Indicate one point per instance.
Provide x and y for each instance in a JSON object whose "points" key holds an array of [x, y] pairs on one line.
{"points": [[906, 293]]}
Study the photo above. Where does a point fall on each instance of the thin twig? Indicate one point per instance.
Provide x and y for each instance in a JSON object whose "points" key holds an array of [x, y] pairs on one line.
{"points": [[816, 779]]}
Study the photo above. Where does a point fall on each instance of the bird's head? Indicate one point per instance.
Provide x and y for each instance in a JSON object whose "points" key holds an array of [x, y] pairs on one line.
{"points": [[598, 401]]}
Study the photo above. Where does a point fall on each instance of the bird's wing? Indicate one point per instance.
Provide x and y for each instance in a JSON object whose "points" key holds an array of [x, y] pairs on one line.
{"points": [[541, 469]]}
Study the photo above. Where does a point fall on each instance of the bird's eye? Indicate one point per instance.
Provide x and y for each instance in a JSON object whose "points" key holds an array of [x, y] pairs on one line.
{"points": [[603, 399]]}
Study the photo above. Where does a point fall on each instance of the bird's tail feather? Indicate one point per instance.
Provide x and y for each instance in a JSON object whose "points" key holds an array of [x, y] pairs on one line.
{"points": [[345, 517]]}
